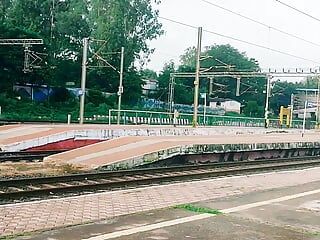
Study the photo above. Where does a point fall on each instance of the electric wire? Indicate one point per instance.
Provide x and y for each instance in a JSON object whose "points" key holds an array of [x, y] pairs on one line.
{"points": [[261, 23], [298, 10], [240, 40]]}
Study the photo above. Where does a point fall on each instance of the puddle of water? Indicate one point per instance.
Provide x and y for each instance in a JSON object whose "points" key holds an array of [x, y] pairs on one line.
{"points": [[312, 206]]}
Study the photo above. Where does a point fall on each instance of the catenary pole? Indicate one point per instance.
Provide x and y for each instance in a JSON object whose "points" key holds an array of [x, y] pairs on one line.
{"points": [[197, 79], [120, 91], [83, 78], [266, 110], [318, 104], [291, 110]]}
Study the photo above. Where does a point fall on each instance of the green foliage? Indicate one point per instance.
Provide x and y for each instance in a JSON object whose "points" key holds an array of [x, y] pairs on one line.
{"points": [[310, 82], [95, 97], [125, 23], [60, 95], [132, 87], [129, 24], [253, 109], [219, 58], [11, 59], [193, 208], [5, 5], [62, 25], [163, 79], [189, 57], [148, 74]]}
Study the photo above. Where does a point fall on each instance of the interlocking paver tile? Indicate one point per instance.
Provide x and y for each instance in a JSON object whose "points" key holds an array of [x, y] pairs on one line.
{"points": [[19, 218]]}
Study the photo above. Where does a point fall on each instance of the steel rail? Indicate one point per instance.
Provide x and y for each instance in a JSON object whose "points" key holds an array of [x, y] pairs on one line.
{"points": [[108, 174], [26, 156], [24, 188]]}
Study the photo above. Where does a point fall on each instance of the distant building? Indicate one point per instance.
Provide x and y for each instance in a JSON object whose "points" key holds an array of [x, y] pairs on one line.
{"points": [[35, 92], [310, 113], [229, 105], [149, 86], [303, 95]]}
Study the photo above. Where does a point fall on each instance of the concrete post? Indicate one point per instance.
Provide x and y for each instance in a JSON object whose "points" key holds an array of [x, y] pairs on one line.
{"points": [[69, 119]]}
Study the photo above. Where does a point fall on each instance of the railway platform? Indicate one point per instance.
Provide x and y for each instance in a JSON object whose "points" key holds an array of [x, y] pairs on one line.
{"points": [[137, 150], [148, 212], [127, 146], [24, 136], [282, 205]]}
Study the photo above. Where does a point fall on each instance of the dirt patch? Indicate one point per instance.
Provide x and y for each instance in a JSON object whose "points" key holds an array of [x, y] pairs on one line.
{"points": [[36, 169]]}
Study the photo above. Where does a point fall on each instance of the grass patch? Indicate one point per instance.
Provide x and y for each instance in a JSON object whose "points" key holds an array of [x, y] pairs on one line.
{"points": [[315, 234], [69, 169], [193, 208], [12, 237]]}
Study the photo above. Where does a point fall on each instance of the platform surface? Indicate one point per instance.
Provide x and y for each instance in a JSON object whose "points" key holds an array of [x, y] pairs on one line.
{"points": [[10, 134], [124, 148], [57, 213], [276, 217]]}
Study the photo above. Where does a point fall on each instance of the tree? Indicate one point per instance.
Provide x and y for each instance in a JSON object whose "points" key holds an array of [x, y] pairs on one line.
{"points": [[163, 79], [148, 74], [11, 59], [5, 6], [221, 58], [189, 57], [253, 109], [125, 23], [61, 24], [309, 82]]}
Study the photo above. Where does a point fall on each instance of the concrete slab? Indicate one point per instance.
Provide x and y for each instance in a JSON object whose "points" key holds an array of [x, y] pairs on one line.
{"points": [[218, 228], [23, 136], [138, 150], [111, 225]]}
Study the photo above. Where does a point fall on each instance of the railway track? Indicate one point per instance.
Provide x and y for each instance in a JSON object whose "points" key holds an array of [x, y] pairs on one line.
{"points": [[44, 187], [26, 156]]}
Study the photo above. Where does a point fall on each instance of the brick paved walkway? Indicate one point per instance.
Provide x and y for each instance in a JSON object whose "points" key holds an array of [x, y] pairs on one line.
{"points": [[40, 215]]}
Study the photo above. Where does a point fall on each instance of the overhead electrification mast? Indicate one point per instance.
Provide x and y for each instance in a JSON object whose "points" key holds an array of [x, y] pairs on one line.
{"points": [[31, 58]]}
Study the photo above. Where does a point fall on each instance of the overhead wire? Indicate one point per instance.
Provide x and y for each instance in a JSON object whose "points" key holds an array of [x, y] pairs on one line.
{"points": [[240, 40], [261, 23], [298, 10]]}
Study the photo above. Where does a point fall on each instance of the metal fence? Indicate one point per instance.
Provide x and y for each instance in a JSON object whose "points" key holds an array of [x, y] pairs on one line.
{"points": [[137, 117]]}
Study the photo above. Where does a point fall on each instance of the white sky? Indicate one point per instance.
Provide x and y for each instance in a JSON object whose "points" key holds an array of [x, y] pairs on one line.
{"points": [[195, 12]]}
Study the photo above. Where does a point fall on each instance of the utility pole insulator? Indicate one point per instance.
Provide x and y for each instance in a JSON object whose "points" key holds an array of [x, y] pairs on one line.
{"points": [[238, 86], [210, 86]]}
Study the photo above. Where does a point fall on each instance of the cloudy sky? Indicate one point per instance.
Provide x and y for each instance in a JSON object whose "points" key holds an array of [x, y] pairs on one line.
{"points": [[198, 13]]}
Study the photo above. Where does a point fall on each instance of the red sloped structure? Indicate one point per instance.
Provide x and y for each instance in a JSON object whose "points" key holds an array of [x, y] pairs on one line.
{"points": [[68, 144]]}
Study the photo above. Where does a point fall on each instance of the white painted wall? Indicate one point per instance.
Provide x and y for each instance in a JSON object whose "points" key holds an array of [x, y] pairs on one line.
{"points": [[228, 106]]}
